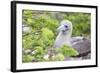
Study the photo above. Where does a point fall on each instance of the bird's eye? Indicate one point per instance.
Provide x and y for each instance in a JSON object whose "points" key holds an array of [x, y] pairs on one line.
{"points": [[66, 26]]}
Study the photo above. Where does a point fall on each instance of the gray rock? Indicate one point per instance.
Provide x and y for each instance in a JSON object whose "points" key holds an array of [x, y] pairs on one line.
{"points": [[88, 56], [73, 58]]}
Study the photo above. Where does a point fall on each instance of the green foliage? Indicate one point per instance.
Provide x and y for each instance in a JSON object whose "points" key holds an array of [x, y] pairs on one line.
{"points": [[81, 23], [47, 36], [43, 32], [58, 57], [27, 41], [39, 50], [39, 53], [46, 33], [67, 51], [27, 58]]}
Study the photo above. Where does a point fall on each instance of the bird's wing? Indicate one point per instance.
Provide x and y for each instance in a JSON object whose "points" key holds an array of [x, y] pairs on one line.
{"points": [[83, 46]]}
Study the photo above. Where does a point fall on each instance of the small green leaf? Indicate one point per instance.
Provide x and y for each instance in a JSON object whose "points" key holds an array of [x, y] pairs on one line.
{"points": [[58, 57], [67, 51]]}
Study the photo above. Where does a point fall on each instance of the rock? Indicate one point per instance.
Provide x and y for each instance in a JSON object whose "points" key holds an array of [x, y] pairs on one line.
{"points": [[88, 56], [28, 51], [34, 60], [73, 58]]}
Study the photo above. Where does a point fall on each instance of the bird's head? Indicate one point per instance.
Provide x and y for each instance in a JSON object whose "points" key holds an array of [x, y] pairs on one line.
{"points": [[65, 26]]}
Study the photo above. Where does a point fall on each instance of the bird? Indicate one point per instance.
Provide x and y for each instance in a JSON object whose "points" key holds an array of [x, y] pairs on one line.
{"points": [[64, 37]]}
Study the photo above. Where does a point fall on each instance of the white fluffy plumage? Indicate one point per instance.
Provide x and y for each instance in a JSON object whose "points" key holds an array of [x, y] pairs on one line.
{"points": [[65, 32]]}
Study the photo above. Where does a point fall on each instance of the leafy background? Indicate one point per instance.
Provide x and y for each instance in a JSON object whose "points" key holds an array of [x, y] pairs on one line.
{"points": [[39, 33]]}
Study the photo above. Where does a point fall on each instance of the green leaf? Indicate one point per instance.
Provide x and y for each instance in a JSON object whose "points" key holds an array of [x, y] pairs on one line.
{"points": [[27, 58], [67, 51], [58, 57]]}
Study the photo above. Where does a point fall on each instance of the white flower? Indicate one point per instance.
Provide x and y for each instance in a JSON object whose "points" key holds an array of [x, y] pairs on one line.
{"points": [[33, 52], [26, 29], [46, 56]]}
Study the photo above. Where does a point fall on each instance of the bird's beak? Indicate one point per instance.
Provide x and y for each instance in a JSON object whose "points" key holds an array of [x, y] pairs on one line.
{"points": [[60, 28]]}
